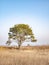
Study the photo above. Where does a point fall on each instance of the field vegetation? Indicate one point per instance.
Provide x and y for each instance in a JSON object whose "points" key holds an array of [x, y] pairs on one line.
{"points": [[24, 56]]}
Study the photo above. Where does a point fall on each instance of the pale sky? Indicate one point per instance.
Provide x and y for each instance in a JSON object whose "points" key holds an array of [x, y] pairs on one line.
{"points": [[35, 13]]}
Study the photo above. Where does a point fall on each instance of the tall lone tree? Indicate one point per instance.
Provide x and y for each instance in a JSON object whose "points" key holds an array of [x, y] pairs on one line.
{"points": [[20, 32]]}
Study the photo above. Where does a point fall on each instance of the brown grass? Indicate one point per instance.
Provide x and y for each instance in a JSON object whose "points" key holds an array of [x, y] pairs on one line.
{"points": [[34, 56]]}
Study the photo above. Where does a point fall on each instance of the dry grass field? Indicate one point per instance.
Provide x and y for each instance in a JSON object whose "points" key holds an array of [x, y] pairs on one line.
{"points": [[24, 56]]}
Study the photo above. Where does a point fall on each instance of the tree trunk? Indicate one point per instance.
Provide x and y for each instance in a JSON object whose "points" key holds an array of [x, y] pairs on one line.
{"points": [[19, 44]]}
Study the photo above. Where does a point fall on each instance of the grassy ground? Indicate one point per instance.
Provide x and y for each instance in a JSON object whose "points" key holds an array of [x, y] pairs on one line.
{"points": [[24, 57]]}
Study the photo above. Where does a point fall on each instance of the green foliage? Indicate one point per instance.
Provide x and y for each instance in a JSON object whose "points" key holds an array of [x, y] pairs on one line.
{"points": [[21, 28], [19, 31]]}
